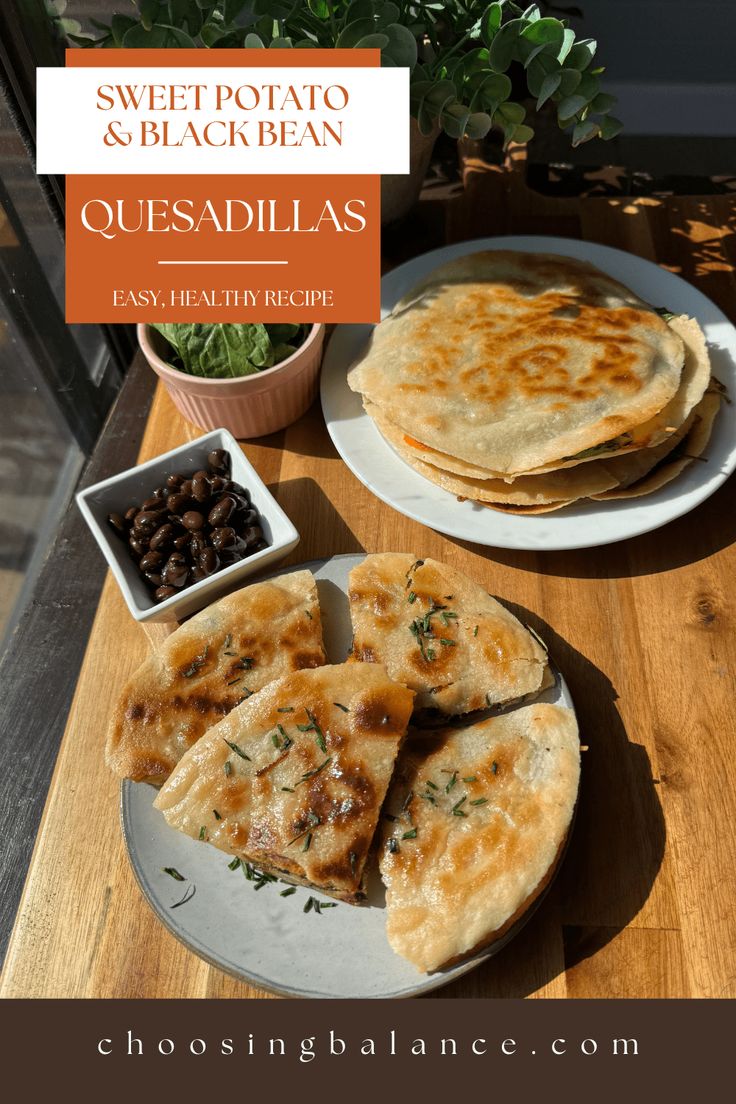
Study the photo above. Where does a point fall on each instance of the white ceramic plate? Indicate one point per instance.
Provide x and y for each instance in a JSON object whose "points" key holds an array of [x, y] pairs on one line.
{"points": [[259, 936], [389, 477]]}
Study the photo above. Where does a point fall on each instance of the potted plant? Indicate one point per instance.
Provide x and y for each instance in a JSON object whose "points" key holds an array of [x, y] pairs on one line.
{"points": [[249, 378], [474, 65]]}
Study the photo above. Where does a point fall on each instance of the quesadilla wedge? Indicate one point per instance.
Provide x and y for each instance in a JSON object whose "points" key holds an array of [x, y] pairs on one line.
{"points": [[293, 780], [206, 667], [511, 361], [482, 816], [441, 634]]}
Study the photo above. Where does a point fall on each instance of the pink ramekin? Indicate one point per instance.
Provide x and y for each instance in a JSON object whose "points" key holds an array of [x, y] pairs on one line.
{"points": [[249, 406]]}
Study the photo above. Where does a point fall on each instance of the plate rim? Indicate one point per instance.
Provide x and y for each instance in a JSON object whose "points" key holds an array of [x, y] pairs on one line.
{"points": [[333, 389], [427, 982]]}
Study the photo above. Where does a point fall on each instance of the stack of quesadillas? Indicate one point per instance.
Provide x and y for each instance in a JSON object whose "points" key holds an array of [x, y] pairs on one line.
{"points": [[527, 382]]}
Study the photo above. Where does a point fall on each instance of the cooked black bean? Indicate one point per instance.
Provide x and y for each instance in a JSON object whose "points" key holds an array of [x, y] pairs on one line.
{"points": [[163, 536], [163, 592], [219, 460], [208, 561], [190, 527], [201, 487], [220, 513], [151, 561], [118, 524], [192, 519]]}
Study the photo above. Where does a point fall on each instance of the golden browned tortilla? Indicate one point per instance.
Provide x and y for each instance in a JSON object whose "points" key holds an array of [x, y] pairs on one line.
{"points": [[207, 666], [441, 634], [481, 816], [511, 361], [293, 779]]}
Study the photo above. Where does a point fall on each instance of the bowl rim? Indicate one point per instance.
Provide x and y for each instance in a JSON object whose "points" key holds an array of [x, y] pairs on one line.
{"points": [[114, 557], [315, 335]]}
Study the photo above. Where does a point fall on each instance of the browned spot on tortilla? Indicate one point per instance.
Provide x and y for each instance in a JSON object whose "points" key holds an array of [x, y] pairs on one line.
{"points": [[135, 712]]}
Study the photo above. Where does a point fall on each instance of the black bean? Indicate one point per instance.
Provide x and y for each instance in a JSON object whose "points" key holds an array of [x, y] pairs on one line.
{"points": [[219, 459], [117, 523], [164, 592], [201, 487], [197, 545], [223, 538], [186, 488], [153, 502], [163, 536], [153, 577], [177, 503], [220, 513], [208, 561], [181, 542], [174, 480], [175, 570], [252, 535], [192, 519], [130, 513], [140, 547], [146, 523], [151, 561]]}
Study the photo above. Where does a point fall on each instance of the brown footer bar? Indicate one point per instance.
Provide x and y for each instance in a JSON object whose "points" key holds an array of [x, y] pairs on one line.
{"points": [[330, 1050]]}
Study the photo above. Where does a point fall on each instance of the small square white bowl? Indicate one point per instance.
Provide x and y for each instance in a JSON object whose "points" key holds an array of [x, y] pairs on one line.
{"points": [[131, 487]]}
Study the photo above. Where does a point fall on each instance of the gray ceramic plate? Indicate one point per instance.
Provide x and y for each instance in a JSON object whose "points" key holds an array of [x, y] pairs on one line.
{"points": [[259, 936]]}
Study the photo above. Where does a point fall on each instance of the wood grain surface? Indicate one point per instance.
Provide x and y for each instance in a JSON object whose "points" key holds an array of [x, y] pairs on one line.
{"points": [[645, 905]]}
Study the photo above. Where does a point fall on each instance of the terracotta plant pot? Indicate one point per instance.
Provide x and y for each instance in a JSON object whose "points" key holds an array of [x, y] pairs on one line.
{"points": [[400, 193], [249, 406]]}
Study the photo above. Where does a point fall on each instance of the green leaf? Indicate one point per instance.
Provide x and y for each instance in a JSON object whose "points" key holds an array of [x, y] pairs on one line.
{"points": [[217, 350], [583, 132], [610, 127], [568, 37], [522, 133], [550, 84], [387, 14], [351, 35], [148, 10], [490, 23], [602, 103], [478, 124], [505, 45], [570, 106], [545, 32], [119, 24], [320, 8], [569, 81], [454, 119], [494, 90], [581, 54], [160, 37], [252, 41], [532, 13], [280, 44], [402, 48], [512, 112], [372, 41]]}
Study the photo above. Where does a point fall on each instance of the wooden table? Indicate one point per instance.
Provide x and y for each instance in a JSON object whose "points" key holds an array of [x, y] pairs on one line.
{"points": [[645, 905]]}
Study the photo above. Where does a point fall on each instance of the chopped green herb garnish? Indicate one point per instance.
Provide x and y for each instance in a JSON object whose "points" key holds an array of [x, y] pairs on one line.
{"points": [[202, 832], [457, 804], [353, 862], [286, 709], [309, 615], [287, 892], [197, 662], [494, 767], [452, 782], [287, 789], [307, 842], [328, 904], [228, 640], [234, 864], [248, 694], [411, 834], [448, 643], [432, 785], [233, 681], [470, 778], [393, 845], [446, 616], [238, 751], [275, 740], [412, 597], [245, 663], [248, 871], [227, 767], [309, 905], [340, 706], [313, 821], [217, 815], [261, 883], [173, 873], [475, 631], [311, 774], [191, 890], [428, 797], [479, 801]]}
